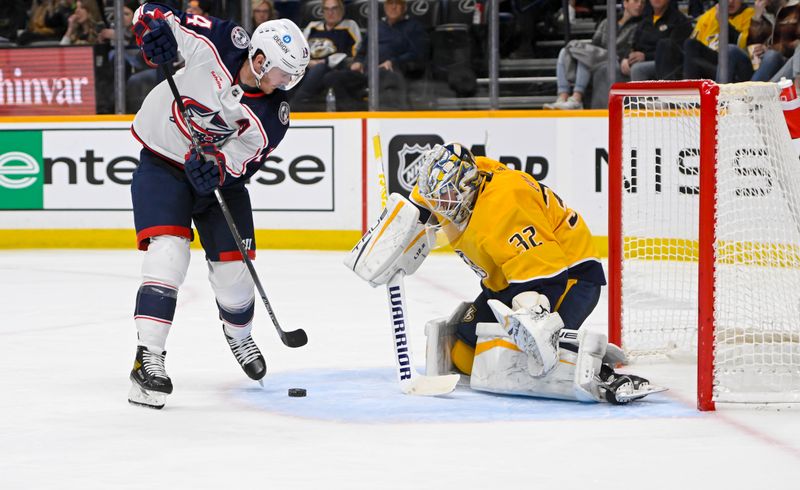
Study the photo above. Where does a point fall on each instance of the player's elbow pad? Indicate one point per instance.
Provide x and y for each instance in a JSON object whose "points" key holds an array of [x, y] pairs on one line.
{"points": [[397, 242]]}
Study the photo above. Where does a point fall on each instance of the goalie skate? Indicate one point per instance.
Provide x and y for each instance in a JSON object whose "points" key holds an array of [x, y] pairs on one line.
{"points": [[621, 389], [150, 384]]}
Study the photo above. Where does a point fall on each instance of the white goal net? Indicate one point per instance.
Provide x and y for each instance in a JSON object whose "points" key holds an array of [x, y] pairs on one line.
{"points": [[752, 224]]}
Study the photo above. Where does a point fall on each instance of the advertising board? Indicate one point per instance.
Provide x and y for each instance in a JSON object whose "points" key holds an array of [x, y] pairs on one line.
{"points": [[47, 81]]}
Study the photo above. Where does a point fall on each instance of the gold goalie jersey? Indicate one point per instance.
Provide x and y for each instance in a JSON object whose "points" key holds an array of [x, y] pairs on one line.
{"points": [[521, 231]]}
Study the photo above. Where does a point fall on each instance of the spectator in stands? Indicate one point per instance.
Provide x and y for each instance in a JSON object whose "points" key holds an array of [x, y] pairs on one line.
{"points": [[334, 43], [657, 43], [48, 21], [263, 10], [774, 34], [586, 57], [700, 50], [403, 46], [85, 24]]}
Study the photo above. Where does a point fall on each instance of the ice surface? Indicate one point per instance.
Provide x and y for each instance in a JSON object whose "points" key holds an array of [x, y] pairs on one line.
{"points": [[67, 341]]}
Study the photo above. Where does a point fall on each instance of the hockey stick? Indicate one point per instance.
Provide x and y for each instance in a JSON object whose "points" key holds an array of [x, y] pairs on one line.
{"points": [[294, 338], [411, 382], [376, 145]]}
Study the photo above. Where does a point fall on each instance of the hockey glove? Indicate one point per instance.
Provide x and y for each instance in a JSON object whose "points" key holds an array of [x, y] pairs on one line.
{"points": [[205, 168], [155, 37]]}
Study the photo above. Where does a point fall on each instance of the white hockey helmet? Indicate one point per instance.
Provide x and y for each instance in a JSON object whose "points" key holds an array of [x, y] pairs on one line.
{"points": [[449, 180], [284, 47]]}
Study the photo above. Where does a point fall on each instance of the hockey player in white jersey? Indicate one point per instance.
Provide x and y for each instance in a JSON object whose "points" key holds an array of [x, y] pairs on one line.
{"points": [[233, 88]]}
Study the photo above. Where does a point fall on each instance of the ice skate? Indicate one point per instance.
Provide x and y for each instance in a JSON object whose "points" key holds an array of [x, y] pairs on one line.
{"points": [[625, 388], [247, 354], [150, 383]]}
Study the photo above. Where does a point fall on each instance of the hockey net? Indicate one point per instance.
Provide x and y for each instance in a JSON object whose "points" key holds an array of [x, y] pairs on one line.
{"points": [[704, 235]]}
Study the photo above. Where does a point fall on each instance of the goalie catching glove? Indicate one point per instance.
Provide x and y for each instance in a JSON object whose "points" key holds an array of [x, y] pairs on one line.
{"points": [[397, 242], [205, 168], [155, 37]]}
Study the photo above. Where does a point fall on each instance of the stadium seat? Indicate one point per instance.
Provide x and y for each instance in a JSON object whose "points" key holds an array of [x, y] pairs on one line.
{"points": [[310, 10], [425, 11], [359, 12], [459, 12]]}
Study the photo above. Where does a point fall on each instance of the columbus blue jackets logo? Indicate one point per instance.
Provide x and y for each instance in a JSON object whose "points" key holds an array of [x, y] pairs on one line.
{"points": [[283, 113], [239, 38], [206, 124]]}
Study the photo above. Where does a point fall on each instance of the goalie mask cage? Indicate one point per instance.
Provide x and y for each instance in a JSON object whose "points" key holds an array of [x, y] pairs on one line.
{"points": [[704, 235]]}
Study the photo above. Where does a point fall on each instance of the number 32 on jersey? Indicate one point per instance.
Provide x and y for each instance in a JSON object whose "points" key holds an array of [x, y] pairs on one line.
{"points": [[525, 238]]}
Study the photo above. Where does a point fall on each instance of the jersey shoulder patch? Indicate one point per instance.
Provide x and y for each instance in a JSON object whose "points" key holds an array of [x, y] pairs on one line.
{"points": [[240, 38], [283, 113]]}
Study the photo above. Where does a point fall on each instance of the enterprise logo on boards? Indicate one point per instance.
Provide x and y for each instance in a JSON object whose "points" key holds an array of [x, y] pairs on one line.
{"points": [[92, 169]]}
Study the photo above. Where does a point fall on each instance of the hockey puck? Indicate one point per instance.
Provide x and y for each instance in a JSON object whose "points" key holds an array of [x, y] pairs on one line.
{"points": [[297, 392]]}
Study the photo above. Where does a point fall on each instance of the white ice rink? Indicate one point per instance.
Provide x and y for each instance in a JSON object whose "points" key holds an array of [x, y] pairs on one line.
{"points": [[67, 342]]}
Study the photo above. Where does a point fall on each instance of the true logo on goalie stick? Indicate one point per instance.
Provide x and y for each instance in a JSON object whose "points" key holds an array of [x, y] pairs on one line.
{"points": [[400, 340]]}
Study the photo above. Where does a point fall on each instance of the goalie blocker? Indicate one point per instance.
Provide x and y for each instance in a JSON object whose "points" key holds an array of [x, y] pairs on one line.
{"points": [[397, 243]]}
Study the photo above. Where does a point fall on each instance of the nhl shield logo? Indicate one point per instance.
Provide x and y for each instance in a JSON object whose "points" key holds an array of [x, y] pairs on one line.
{"points": [[409, 158], [405, 152]]}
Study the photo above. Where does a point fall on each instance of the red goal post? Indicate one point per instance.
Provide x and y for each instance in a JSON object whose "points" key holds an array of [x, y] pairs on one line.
{"points": [[704, 188]]}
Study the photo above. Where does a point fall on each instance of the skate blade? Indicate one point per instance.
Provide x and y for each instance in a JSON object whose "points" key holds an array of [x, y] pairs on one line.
{"points": [[640, 393], [144, 398]]}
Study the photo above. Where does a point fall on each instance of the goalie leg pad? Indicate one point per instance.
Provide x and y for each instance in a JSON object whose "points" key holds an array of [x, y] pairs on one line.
{"points": [[591, 349], [441, 340], [501, 367], [163, 272]]}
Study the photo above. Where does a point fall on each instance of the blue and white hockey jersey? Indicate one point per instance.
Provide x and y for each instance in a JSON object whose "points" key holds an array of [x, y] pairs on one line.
{"points": [[245, 126]]}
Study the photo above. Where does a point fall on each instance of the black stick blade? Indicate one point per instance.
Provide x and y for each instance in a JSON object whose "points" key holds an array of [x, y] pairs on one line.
{"points": [[295, 338]]}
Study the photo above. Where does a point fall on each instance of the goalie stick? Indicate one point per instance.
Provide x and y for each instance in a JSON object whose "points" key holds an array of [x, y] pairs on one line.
{"points": [[411, 382], [294, 338]]}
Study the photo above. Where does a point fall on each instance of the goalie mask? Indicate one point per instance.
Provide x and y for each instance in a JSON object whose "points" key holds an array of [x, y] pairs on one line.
{"points": [[448, 182], [285, 49]]}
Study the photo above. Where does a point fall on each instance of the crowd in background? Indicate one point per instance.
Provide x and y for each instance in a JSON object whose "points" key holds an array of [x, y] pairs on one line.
{"points": [[656, 39]]}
